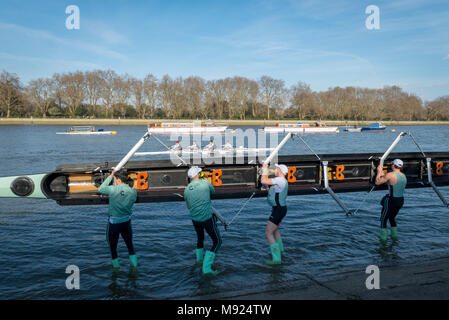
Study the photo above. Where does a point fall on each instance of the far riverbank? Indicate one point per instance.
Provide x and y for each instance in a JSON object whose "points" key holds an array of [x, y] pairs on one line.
{"points": [[234, 123]]}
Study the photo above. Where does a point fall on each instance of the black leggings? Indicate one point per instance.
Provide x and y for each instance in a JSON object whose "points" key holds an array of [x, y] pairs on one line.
{"points": [[114, 231], [390, 208], [211, 229]]}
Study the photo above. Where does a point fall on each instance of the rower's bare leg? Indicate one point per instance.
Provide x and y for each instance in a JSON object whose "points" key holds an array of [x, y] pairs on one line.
{"points": [[270, 232], [277, 235]]}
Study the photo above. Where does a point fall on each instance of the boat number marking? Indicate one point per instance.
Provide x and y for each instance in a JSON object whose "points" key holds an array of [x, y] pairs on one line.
{"points": [[214, 177], [291, 174], [439, 168], [337, 174], [142, 180]]}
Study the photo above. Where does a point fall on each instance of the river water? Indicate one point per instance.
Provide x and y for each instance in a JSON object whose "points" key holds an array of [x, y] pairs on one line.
{"points": [[39, 238]]}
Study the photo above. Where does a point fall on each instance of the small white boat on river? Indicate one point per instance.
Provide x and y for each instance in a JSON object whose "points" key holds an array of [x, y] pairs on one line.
{"points": [[86, 130], [185, 128], [320, 127], [205, 152]]}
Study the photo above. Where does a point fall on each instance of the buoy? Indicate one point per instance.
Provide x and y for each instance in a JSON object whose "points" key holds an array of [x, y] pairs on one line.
{"points": [[393, 130]]}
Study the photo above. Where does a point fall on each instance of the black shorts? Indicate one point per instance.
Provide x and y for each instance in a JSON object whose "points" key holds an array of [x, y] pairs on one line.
{"points": [[277, 214]]}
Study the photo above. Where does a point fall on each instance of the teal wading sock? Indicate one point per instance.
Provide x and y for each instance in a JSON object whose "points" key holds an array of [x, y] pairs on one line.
{"points": [[115, 263], [275, 253], [199, 255], [133, 260], [209, 258], [394, 233], [281, 244], [383, 234]]}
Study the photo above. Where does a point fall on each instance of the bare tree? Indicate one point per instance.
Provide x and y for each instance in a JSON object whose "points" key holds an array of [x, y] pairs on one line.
{"points": [[93, 85], [41, 93], [216, 93], [303, 100], [10, 92], [164, 94], [72, 91], [150, 93], [271, 91], [138, 97], [122, 85], [107, 91], [194, 94], [438, 109]]}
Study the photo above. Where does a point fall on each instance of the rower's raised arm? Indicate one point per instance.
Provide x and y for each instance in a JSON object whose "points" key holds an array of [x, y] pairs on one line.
{"points": [[105, 188], [265, 180], [381, 179], [211, 188]]}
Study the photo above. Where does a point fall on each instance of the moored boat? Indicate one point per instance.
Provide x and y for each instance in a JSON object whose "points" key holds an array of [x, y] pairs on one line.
{"points": [[353, 129], [320, 127], [86, 130], [218, 152], [376, 126], [185, 128]]}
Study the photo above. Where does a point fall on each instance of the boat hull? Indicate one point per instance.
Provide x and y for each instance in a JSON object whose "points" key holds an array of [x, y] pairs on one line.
{"points": [[366, 129], [191, 130], [88, 133], [302, 130], [162, 181], [208, 153], [353, 129]]}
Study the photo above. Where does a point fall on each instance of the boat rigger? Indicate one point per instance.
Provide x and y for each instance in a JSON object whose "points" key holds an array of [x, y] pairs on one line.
{"points": [[161, 180]]}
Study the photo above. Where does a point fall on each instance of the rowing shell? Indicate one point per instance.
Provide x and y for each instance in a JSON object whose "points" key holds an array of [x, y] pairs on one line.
{"points": [[161, 180], [187, 130], [301, 129], [88, 133], [206, 152]]}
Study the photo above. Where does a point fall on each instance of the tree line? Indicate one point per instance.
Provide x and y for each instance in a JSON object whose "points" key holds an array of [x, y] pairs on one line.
{"points": [[106, 94]]}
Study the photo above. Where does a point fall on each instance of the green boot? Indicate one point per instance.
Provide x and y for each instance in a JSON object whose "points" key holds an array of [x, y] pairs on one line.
{"points": [[276, 253], [383, 234], [133, 260], [281, 244], [115, 263], [209, 258], [199, 255], [394, 233]]}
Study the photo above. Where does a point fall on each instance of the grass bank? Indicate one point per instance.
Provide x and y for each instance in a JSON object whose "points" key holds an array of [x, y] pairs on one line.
{"points": [[118, 122]]}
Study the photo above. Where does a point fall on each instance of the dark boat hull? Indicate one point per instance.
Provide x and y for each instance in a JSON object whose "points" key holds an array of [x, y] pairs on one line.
{"points": [[161, 181]]}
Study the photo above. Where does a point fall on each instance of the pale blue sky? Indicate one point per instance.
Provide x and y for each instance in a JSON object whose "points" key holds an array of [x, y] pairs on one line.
{"points": [[323, 43]]}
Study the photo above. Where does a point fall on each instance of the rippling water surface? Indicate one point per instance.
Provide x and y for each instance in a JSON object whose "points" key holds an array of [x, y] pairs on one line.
{"points": [[39, 238]]}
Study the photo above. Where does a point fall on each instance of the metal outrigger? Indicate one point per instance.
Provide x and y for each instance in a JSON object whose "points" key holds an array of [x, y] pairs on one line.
{"points": [[324, 165]]}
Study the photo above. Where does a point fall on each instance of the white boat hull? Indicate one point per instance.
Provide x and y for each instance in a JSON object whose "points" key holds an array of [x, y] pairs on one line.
{"points": [[302, 130], [353, 129], [207, 152], [191, 130], [88, 133]]}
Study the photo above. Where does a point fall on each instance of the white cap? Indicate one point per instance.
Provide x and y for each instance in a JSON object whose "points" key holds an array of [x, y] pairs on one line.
{"points": [[398, 163], [283, 168], [193, 171]]}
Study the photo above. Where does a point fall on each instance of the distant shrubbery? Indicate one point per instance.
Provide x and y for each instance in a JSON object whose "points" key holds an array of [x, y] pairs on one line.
{"points": [[105, 94]]}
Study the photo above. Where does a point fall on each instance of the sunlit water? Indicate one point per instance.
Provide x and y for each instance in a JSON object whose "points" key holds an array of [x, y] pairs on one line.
{"points": [[39, 238]]}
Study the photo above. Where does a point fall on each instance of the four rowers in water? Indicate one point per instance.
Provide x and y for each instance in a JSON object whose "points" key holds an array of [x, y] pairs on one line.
{"points": [[197, 196]]}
